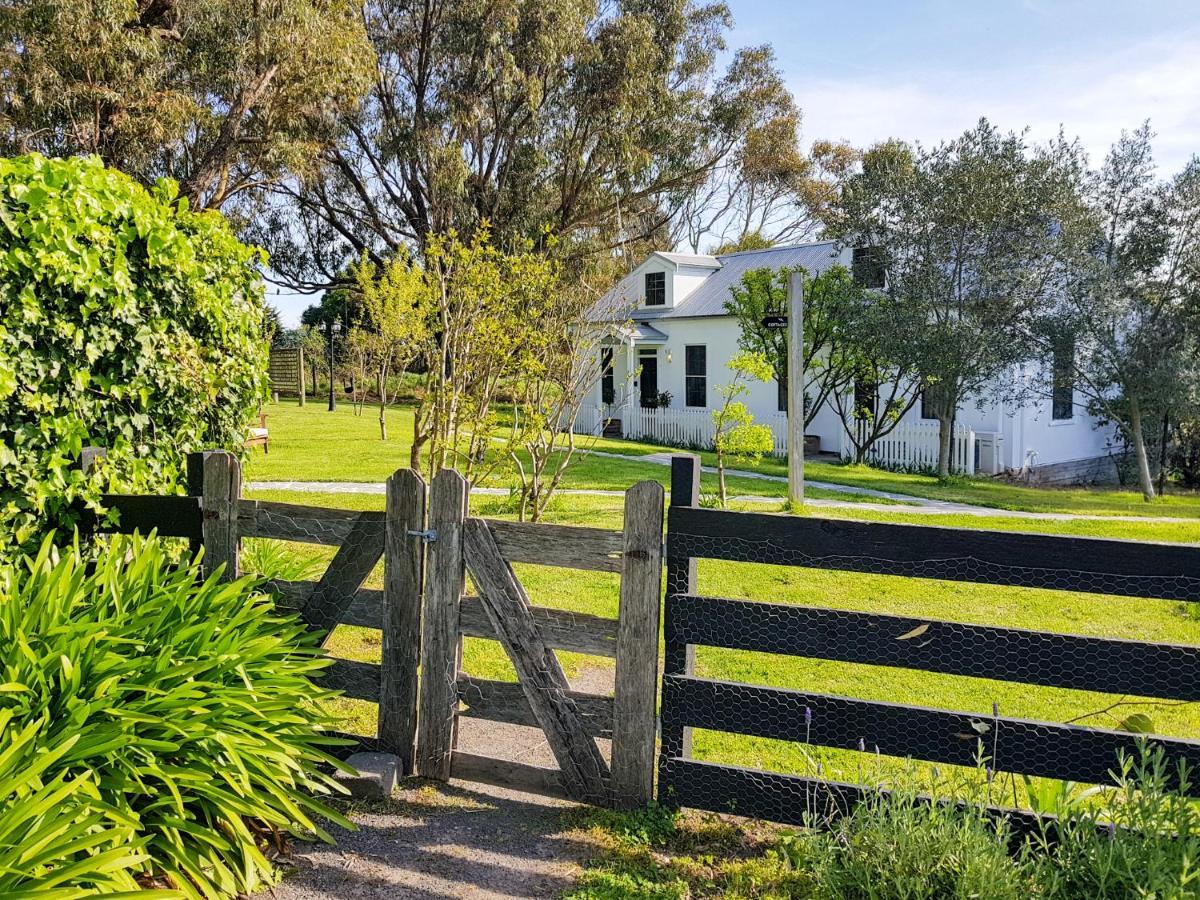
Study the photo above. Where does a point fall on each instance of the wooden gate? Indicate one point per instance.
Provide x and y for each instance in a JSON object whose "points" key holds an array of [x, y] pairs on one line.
{"points": [[501, 611], [423, 617]]}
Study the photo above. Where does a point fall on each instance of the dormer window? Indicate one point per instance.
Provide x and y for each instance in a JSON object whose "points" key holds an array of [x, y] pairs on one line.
{"points": [[656, 288], [866, 265]]}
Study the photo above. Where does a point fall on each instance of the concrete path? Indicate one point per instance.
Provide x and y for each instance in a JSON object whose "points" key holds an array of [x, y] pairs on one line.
{"points": [[914, 505]]}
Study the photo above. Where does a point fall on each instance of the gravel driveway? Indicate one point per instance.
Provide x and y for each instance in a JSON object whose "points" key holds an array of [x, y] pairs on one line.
{"points": [[462, 840]]}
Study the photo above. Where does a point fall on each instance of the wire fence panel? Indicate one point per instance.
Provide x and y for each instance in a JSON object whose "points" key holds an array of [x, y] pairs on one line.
{"points": [[903, 730]]}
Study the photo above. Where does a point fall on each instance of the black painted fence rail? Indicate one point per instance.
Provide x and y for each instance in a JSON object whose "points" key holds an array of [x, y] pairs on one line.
{"points": [[1040, 749]]}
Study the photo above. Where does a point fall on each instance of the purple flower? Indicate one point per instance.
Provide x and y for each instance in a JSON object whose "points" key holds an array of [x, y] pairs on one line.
{"points": [[995, 710], [862, 745], [808, 715], [990, 774]]}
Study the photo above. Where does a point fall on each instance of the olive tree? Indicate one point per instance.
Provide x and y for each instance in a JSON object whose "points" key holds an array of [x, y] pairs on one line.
{"points": [[969, 235], [1130, 311]]}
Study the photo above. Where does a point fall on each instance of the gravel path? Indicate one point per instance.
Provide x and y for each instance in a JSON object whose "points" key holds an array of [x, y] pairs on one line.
{"points": [[440, 842], [462, 840]]}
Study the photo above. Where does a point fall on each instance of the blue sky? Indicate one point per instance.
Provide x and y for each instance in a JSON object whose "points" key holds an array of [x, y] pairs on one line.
{"points": [[925, 71], [869, 70]]}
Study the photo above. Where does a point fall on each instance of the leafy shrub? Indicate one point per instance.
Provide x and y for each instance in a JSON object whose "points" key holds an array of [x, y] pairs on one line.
{"points": [[127, 321], [1140, 840], [896, 848], [273, 559], [177, 710], [54, 831]]}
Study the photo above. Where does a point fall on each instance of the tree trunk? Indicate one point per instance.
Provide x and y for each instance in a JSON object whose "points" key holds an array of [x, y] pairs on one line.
{"points": [[1162, 455], [945, 444], [721, 478], [382, 408], [1139, 450]]}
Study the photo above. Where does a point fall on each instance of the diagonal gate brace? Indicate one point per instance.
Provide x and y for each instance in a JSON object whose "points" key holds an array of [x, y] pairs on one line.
{"points": [[585, 774]]}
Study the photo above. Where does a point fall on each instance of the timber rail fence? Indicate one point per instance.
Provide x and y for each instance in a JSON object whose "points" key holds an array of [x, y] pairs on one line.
{"points": [[1072, 752], [432, 549], [428, 544]]}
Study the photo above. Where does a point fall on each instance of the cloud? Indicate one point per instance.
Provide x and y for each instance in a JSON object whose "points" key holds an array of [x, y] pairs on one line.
{"points": [[1093, 98]]}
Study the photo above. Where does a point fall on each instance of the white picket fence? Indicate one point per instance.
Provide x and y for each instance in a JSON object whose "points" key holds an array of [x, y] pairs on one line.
{"points": [[691, 428], [908, 446], [674, 427], [914, 445]]}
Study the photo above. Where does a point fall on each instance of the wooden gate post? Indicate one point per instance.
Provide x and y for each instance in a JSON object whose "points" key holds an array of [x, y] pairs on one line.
{"points": [[681, 579], [440, 639], [403, 569], [634, 722], [216, 477]]}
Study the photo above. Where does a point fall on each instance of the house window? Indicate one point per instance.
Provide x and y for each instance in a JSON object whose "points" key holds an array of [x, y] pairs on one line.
{"points": [[865, 396], [867, 267], [781, 392], [608, 386], [930, 402], [1062, 402], [656, 288], [695, 362]]}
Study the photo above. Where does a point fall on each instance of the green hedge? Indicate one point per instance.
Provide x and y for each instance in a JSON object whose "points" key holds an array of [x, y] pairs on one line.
{"points": [[127, 321], [155, 728]]}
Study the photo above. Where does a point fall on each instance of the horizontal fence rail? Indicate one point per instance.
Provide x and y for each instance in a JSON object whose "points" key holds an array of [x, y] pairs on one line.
{"points": [[1126, 568], [1080, 663], [945, 736]]}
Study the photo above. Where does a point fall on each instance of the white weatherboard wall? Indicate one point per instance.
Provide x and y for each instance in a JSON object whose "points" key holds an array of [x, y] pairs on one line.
{"points": [[1025, 435]]}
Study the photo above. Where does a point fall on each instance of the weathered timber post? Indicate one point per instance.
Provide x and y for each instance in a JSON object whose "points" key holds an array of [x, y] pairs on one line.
{"points": [[440, 639], [403, 572], [90, 457], [681, 579], [634, 722], [216, 477]]}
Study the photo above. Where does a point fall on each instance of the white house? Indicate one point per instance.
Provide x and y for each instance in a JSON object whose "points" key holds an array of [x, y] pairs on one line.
{"points": [[677, 338]]}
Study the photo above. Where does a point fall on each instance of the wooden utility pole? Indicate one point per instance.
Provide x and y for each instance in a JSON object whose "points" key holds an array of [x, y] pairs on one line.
{"points": [[795, 369]]}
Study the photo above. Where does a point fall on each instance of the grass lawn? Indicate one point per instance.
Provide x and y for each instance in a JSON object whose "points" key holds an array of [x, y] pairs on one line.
{"points": [[981, 491], [312, 444], [1088, 614]]}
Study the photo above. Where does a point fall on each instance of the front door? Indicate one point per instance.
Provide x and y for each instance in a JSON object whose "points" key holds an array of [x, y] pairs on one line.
{"points": [[648, 359]]}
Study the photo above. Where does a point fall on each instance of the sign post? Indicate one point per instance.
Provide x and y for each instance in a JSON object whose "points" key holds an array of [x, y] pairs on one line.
{"points": [[795, 386]]}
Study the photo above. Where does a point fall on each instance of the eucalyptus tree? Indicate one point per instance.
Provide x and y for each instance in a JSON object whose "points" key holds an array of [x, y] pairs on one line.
{"points": [[1131, 309], [224, 96], [763, 189], [969, 236], [584, 119]]}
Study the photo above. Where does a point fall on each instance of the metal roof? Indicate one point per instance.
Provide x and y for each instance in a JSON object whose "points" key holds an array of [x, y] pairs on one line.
{"points": [[642, 333], [709, 298], [691, 259]]}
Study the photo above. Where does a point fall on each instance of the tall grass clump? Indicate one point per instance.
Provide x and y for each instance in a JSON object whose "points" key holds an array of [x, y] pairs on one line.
{"points": [[156, 729]]}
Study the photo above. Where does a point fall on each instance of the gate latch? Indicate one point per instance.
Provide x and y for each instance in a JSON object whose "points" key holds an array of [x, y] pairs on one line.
{"points": [[427, 536]]}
